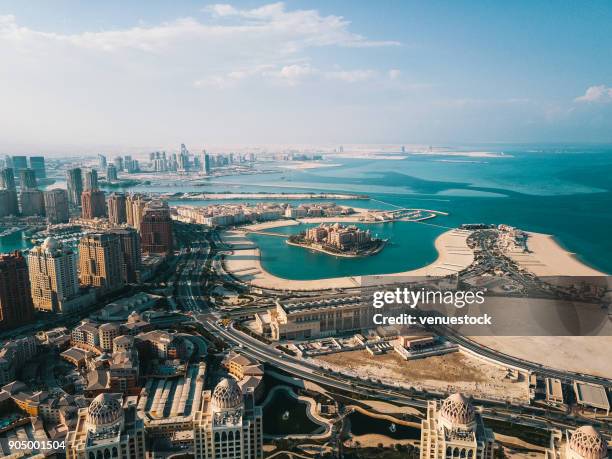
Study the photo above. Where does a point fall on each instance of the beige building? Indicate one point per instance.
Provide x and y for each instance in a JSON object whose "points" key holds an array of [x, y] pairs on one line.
{"points": [[107, 429], [455, 430], [583, 443], [53, 275], [228, 424], [101, 261]]}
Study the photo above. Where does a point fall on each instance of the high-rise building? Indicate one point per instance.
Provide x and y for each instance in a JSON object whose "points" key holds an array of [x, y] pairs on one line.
{"points": [[583, 443], [8, 203], [102, 162], [156, 229], [74, 184], [53, 275], [16, 308], [32, 203], [206, 163], [228, 424], [101, 261], [7, 179], [38, 164], [134, 207], [118, 162], [56, 206], [116, 208], [27, 179], [93, 204], [107, 429], [130, 249], [19, 163], [91, 180], [111, 173], [455, 429]]}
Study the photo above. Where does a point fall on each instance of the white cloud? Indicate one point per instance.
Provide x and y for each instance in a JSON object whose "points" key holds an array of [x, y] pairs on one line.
{"points": [[600, 93], [351, 76], [394, 74]]}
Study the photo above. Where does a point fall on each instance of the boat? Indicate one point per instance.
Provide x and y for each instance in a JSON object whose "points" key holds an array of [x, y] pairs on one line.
{"points": [[10, 231]]}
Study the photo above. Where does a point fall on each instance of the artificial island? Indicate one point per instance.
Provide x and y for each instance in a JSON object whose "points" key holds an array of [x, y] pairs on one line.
{"points": [[339, 240]]}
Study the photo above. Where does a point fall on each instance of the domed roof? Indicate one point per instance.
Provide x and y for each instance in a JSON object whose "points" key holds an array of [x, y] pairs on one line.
{"points": [[134, 317], [104, 410], [588, 443], [227, 394], [50, 244], [457, 410]]}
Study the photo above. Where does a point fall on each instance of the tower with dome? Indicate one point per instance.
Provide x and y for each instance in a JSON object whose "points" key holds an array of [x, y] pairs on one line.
{"points": [[228, 424], [582, 443], [454, 430]]}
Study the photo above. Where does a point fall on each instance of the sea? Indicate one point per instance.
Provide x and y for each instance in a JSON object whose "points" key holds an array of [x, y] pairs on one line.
{"points": [[563, 190]]}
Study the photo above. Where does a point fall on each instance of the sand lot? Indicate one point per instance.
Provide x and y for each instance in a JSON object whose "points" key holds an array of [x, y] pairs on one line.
{"points": [[448, 373]]}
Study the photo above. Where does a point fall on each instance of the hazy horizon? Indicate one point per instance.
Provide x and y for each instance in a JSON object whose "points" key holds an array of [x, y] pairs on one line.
{"points": [[111, 78]]}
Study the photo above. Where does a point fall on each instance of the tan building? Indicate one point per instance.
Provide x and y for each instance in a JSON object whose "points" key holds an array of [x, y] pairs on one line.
{"points": [[583, 443], [53, 275], [455, 430], [107, 429], [117, 209], [101, 261], [228, 425], [318, 317]]}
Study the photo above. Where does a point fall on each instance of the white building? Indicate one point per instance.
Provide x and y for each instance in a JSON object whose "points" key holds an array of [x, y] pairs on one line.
{"points": [[53, 275], [228, 424], [455, 430], [583, 443], [107, 430]]}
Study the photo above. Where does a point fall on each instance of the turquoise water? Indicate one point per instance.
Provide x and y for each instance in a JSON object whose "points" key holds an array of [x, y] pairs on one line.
{"points": [[562, 190], [411, 246], [13, 242]]}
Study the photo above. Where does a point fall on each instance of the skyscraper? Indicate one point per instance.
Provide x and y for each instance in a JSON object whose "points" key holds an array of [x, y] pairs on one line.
{"points": [[130, 248], [74, 182], [56, 206], [101, 261], [8, 203], [38, 164], [102, 162], [19, 163], [228, 424], [455, 429], [27, 179], [111, 173], [118, 162], [156, 229], [91, 180], [93, 204], [134, 206], [32, 203], [53, 275], [16, 308], [206, 163], [116, 208], [7, 179]]}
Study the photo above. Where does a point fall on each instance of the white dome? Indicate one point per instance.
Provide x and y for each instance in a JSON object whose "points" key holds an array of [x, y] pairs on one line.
{"points": [[586, 442], [457, 410], [104, 411], [227, 394], [50, 244]]}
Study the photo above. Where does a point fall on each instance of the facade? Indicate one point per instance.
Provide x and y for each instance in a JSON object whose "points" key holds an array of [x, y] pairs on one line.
{"points": [[74, 183], [27, 179], [101, 261], [32, 203], [583, 443], [108, 428], [111, 173], [455, 430], [130, 248], [19, 163], [134, 207], [16, 308], [94, 204], [116, 209], [8, 203], [156, 229], [228, 424], [90, 181], [53, 275], [38, 164], [7, 178], [56, 206]]}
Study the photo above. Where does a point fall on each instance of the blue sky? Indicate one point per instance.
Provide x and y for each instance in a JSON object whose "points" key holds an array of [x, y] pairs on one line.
{"points": [[86, 76]]}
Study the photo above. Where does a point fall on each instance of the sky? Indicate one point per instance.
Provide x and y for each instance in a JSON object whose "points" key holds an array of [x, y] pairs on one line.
{"points": [[114, 76]]}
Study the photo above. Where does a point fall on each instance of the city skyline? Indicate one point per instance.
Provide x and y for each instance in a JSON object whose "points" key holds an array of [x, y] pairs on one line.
{"points": [[295, 73]]}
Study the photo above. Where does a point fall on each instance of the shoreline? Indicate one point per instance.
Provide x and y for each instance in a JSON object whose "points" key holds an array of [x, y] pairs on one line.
{"points": [[370, 253], [264, 195]]}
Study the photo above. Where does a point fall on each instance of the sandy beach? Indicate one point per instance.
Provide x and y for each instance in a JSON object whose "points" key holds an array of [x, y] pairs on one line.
{"points": [[244, 263], [548, 258]]}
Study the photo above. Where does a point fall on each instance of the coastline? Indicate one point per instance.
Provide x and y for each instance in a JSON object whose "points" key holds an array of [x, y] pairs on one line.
{"points": [[377, 250]]}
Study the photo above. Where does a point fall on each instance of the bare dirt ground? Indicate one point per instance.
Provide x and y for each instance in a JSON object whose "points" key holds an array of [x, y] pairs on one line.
{"points": [[447, 373]]}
